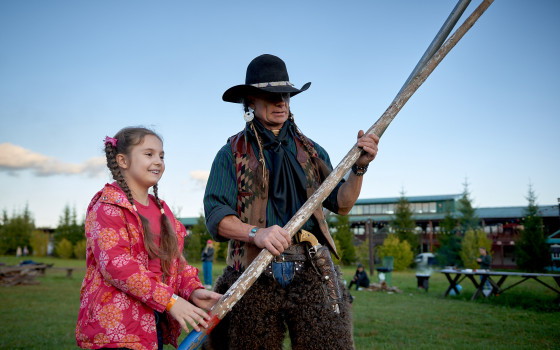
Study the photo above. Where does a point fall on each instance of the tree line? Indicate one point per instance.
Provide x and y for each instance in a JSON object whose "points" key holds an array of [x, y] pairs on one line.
{"points": [[459, 237]]}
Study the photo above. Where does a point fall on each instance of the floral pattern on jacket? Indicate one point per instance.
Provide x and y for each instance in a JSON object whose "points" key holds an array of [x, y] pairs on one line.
{"points": [[119, 294]]}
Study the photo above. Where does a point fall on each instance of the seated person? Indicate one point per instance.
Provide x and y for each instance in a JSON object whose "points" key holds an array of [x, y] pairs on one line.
{"points": [[360, 278]]}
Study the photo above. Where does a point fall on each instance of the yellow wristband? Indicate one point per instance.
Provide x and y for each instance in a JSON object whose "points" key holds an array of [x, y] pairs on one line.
{"points": [[171, 302]]}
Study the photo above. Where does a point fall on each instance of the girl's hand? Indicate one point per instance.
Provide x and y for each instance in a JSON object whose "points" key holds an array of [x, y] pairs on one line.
{"points": [[204, 298], [184, 312]]}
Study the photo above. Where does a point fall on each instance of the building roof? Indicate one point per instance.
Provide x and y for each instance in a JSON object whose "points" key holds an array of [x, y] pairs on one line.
{"points": [[514, 212], [412, 199], [554, 238], [481, 213], [189, 222]]}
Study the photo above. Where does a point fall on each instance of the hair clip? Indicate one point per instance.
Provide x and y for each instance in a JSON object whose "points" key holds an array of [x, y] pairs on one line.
{"points": [[111, 140]]}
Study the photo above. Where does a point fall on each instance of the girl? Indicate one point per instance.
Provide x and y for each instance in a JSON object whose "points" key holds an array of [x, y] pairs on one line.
{"points": [[138, 291]]}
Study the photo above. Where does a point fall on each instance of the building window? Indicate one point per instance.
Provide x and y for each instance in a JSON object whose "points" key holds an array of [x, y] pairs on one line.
{"points": [[432, 207]]}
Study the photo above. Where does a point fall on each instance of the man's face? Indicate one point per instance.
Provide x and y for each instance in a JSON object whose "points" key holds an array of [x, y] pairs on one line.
{"points": [[271, 109]]}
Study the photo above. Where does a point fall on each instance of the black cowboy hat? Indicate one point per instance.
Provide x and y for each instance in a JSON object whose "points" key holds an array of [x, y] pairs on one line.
{"points": [[264, 73]]}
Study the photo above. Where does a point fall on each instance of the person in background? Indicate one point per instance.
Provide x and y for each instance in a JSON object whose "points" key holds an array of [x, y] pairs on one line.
{"points": [[138, 291], [485, 260], [207, 259], [360, 278]]}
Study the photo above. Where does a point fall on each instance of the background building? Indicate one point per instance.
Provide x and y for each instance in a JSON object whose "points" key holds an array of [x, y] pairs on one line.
{"points": [[502, 224]]}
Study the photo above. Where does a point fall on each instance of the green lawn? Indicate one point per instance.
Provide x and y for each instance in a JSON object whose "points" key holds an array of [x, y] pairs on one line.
{"points": [[43, 316]]}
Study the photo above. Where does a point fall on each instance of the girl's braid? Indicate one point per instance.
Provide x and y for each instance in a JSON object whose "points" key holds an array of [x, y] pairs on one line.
{"points": [[169, 245], [149, 243], [111, 154]]}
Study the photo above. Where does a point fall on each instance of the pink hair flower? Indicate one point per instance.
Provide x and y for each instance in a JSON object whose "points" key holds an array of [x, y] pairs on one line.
{"points": [[111, 140]]}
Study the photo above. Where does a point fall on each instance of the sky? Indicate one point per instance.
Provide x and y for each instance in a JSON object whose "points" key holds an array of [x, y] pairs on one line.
{"points": [[72, 72]]}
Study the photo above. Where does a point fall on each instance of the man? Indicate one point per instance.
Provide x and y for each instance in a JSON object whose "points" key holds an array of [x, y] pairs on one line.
{"points": [[484, 259], [258, 180]]}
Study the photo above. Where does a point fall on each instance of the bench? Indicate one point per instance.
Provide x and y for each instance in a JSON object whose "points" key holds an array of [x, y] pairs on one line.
{"points": [[68, 270]]}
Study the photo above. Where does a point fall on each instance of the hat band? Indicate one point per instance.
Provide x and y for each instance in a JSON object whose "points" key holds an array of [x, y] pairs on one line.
{"points": [[273, 83]]}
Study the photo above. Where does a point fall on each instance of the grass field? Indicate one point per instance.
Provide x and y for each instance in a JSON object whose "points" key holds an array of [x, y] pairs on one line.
{"points": [[43, 316]]}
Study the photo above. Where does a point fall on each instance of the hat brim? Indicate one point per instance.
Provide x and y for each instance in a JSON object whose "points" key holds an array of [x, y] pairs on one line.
{"points": [[238, 93]]}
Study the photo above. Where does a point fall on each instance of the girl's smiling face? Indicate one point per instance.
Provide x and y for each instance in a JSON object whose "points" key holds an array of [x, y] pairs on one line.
{"points": [[143, 167]]}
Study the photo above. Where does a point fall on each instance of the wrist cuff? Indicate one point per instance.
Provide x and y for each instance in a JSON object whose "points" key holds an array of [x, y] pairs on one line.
{"points": [[359, 170]]}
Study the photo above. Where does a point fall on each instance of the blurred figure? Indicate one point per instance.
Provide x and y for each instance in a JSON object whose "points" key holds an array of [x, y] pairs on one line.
{"points": [[18, 251], [360, 278], [485, 260], [207, 259]]}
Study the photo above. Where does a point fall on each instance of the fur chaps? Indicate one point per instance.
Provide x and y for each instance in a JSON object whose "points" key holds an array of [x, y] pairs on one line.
{"points": [[260, 319]]}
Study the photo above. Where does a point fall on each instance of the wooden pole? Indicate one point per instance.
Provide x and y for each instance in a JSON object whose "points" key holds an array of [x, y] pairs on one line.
{"points": [[254, 270]]}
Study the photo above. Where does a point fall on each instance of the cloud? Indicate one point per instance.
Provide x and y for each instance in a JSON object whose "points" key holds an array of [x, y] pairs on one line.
{"points": [[14, 158], [200, 177]]}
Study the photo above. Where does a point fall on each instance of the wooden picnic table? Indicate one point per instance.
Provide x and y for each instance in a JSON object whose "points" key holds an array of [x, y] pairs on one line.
{"points": [[24, 274], [456, 276]]}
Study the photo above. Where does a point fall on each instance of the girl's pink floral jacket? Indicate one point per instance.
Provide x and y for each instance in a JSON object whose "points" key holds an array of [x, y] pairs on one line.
{"points": [[119, 294]]}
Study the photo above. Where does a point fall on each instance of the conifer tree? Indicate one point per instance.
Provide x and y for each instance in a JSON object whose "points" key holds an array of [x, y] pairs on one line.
{"points": [[404, 225], [532, 251], [467, 219], [196, 240], [16, 231], [345, 239], [68, 227], [450, 242]]}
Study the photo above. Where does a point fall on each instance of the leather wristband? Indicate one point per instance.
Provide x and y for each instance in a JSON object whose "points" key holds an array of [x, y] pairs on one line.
{"points": [[359, 170], [171, 302]]}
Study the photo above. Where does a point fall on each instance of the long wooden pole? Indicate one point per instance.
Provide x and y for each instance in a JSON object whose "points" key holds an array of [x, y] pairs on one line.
{"points": [[255, 269]]}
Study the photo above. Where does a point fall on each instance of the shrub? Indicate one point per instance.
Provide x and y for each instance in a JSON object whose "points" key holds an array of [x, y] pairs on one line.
{"points": [[64, 249], [80, 249], [220, 251], [39, 243], [344, 241], [400, 251], [473, 240]]}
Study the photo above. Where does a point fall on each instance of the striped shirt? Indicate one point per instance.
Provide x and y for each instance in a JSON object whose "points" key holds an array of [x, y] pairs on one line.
{"points": [[220, 198]]}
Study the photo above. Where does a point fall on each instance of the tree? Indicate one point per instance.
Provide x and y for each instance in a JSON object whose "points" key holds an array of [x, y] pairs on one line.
{"points": [[220, 252], [15, 231], [64, 249], [196, 241], [68, 227], [473, 240], [467, 219], [39, 242], [80, 250], [532, 252], [404, 225], [400, 251], [450, 242], [345, 240]]}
